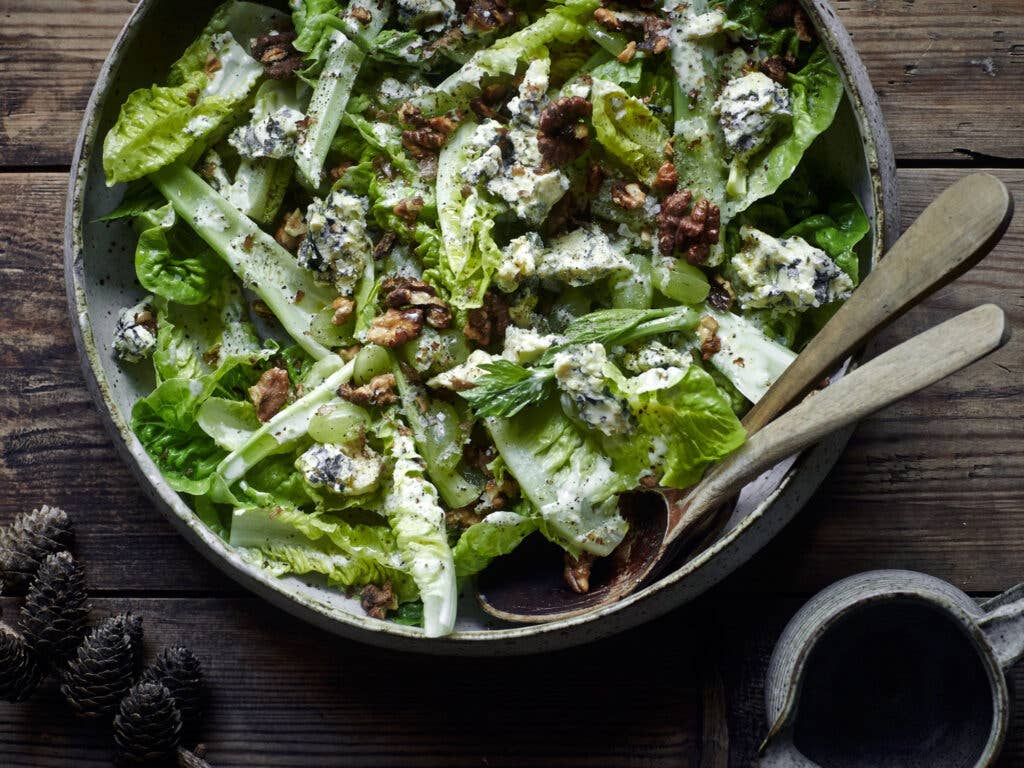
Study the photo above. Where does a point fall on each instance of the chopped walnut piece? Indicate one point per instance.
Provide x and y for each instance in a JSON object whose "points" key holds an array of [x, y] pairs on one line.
{"points": [[147, 320], [270, 393], [409, 209], [395, 327], [343, 309], [607, 19], [377, 601], [410, 114], [339, 170], [350, 352], [429, 137], [667, 178], [626, 54], [577, 571], [563, 135], [277, 54], [378, 391], [707, 334], [722, 294], [401, 292], [656, 40], [383, 246], [488, 15], [360, 14], [463, 517], [492, 102], [488, 323], [291, 231], [629, 196], [691, 233], [595, 177], [776, 67]]}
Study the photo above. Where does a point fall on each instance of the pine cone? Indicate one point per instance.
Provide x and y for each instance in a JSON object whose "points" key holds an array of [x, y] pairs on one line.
{"points": [[179, 670], [53, 618], [147, 726], [19, 671], [102, 669], [26, 542]]}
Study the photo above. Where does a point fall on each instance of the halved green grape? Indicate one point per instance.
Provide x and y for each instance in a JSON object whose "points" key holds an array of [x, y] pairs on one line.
{"points": [[678, 280], [371, 361], [338, 423]]}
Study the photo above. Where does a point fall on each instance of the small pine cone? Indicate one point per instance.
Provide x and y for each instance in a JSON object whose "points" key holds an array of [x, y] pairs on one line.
{"points": [[102, 669], [53, 618], [188, 759], [20, 672], [147, 726], [26, 542], [180, 672]]}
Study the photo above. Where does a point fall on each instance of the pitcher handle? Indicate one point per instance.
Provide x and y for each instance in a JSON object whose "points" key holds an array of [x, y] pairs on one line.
{"points": [[1003, 624], [779, 751]]}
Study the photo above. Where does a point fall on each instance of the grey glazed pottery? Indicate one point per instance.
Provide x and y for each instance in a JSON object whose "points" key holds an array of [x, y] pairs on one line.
{"points": [[893, 669], [100, 280]]}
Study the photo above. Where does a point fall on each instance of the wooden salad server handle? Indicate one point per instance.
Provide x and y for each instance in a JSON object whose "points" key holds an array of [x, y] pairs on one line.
{"points": [[893, 375], [949, 237]]}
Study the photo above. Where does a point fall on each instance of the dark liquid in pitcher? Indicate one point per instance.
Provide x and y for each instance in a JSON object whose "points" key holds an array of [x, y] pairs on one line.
{"points": [[896, 685]]}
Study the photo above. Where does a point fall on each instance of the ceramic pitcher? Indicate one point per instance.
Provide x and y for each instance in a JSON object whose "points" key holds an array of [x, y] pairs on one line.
{"points": [[893, 669]]}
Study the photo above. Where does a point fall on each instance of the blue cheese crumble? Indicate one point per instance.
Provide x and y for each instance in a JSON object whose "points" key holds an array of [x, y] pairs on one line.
{"points": [[579, 373], [749, 108], [653, 355], [787, 274], [273, 136], [582, 257], [135, 332], [342, 469], [426, 15], [518, 261], [337, 244]]}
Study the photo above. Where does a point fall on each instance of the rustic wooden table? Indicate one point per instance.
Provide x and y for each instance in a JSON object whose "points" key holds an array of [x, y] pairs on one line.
{"points": [[935, 483]]}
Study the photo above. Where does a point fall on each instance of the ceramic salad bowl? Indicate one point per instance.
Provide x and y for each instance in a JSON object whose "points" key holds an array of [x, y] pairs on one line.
{"points": [[101, 279]]}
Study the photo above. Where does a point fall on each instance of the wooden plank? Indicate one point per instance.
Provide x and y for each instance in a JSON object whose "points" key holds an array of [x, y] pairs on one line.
{"points": [[944, 72], [935, 483], [948, 73], [284, 694], [287, 695]]}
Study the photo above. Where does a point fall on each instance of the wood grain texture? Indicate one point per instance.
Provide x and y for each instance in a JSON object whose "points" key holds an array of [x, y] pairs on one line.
{"points": [[934, 483], [287, 695], [948, 73]]}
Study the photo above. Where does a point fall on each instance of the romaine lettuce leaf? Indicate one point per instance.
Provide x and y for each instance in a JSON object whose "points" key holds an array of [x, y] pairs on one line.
{"points": [[411, 506], [684, 424], [297, 542], [497, 534], [172, 262], [628, 129], [159, 125], [259, 261], [565, 476]]}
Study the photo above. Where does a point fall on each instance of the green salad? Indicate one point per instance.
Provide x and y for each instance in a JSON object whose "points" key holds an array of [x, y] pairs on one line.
{"points": [[428, 277]]}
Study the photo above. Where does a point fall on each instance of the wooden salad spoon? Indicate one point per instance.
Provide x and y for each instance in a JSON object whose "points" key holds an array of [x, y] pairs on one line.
{"points": [[953, 233]]}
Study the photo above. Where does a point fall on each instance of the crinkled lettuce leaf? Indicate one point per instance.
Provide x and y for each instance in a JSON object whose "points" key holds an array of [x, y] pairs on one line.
{"points": [[288, 540], [497, 534], [418, 521], [161, 124], [565, 476], [172, 261], [684, 423], [469, 255], [628, 129]]}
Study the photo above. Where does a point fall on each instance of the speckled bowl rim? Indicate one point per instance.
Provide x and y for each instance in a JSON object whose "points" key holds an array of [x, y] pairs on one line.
{"points": [[711, 565]]}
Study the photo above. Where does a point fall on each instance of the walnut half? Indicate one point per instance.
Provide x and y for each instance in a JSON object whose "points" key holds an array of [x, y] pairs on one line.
{"points": [[691, 232], [270, 393], [564, 135]]}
